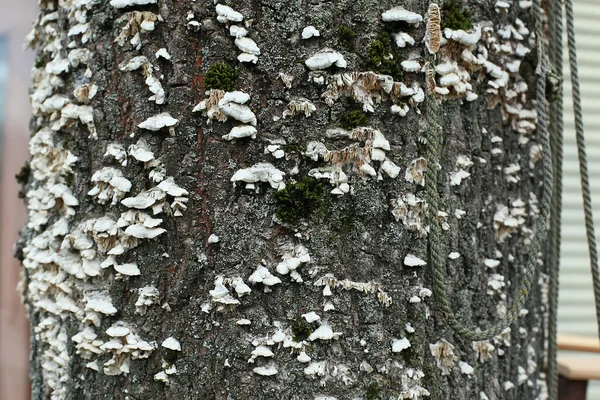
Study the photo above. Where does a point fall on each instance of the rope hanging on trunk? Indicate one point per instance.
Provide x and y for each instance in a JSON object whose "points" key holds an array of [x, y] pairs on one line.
{"points": [[551, 202], [436, 251]]}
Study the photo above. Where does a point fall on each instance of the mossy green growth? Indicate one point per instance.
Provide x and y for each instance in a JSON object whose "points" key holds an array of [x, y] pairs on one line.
{"points": [[294, 148], [456, 17], [70, 179], [41, 60], [384, 60], [299, 200], [353, 119], [346, 36], [372, 391], [23, 175], [300, 330], [220, 76]]}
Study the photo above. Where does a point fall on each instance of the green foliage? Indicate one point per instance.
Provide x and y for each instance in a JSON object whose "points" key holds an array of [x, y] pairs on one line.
{"points": [[299, 200], [353, 119], [372, 391], [384, 60], [300, 330], [346, 36], [456, 17], [220, 76]]}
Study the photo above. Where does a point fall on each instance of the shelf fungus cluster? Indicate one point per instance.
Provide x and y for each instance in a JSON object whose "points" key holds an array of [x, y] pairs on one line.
{"points": [[136, 23], [354, 156], [248, 47], [71, 259], [141, 62], [220, 105]]}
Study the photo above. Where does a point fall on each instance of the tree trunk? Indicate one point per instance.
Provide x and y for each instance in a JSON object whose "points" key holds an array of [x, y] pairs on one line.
{"points": [[186, 241]]}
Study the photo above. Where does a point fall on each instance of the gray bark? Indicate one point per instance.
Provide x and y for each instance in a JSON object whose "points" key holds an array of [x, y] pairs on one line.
{"points": [[354, 236]]}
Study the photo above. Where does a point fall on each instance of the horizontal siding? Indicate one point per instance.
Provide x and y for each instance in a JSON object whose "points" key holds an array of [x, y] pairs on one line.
{"points": [[576, 312]]}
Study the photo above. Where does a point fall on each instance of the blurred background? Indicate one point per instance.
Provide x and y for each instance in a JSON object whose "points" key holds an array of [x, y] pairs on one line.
{"points": [[576, 309], [15, 67]]}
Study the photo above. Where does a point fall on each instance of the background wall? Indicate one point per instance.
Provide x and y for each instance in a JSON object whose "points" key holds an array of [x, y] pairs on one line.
{"points": [[576, 312], [15, 23]]}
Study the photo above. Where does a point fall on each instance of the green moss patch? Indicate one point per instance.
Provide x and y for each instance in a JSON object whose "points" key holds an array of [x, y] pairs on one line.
{"points": [[346, 36], [220, 76], [383, 59], [456, 17], [300, 330], [353, 119], [299, 200]]}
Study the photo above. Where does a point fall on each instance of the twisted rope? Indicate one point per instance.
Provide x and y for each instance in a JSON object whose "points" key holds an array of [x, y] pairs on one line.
{"points": [[555, 19], [437, 256]]}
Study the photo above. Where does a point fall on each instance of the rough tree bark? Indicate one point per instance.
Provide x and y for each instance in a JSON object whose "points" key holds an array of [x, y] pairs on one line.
{"points": [[271, 243]]}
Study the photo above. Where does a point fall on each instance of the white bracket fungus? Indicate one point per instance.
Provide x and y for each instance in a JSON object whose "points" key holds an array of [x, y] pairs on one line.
{"points": [[227, 14], [266, 371], [401, 14], [220, 294], [329, 281], [300, 105], [147, 69], [303, 357], [262, 172], [416, 171], [311, 317], [141, 152], [162, 52], [117, 151], [147, 296], [262, 275], [402, 39], [324, 332], [160, 121], [443, 351], [111, 185], [138, 22], [310, 31], [411, 65], [413, 261], [465, 368], [400, 344], [241, 131], [172, 344], [290, 262], [130, 3], [324, 59]]}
